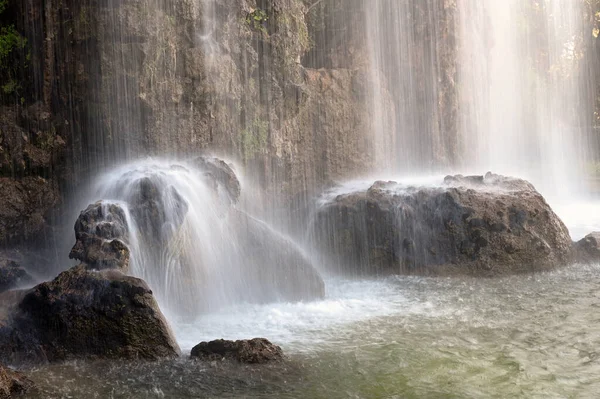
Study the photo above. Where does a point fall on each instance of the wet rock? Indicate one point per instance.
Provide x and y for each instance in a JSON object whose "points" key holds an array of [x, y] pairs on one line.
{"points": [[86, 314], [101, 232], [12, 275], [149, 201], [13, 383], [275, 268], [24, 207], [220, 176], [475, 225], [253, 351], [587, 250]]}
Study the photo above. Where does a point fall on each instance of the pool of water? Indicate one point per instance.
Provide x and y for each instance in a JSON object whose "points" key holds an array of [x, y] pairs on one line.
{"points": [[534, 336]]}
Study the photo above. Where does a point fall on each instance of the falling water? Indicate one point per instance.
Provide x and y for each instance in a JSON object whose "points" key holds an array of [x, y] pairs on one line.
{"points": [[520, 87], [196, 251], [484, 85]]}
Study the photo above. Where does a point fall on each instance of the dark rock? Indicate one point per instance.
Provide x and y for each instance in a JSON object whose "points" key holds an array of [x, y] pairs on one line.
{"points": [[24, 207], [253, 351], [86, 314], [101, 232], [474, 225], [587, 250], [12, 275], [149, 200], [220, 176], [13, 383]]}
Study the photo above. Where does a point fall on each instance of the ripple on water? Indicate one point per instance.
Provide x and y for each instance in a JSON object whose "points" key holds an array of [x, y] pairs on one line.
{"points": [[521, 336]]}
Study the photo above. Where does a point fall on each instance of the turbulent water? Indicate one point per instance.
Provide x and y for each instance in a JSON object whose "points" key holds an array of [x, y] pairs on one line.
{"points": [[524, 336], [197, 251]]}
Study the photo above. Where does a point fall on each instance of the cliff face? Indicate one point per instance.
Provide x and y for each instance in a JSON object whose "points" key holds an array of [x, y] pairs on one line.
{"points": [[105, 81]]}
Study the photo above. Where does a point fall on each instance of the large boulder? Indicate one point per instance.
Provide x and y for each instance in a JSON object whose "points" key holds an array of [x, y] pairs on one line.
{"points": [[475, 225], [13, 383], [101, 232], [12, 275], [86, 314], [251, 351]]}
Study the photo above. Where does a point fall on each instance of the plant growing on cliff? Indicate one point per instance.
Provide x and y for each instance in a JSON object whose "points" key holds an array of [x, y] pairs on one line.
{"points": [[257, 20], [11, 45], [253, 139]]}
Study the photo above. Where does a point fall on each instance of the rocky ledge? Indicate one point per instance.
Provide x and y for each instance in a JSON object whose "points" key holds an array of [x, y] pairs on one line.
{"points": [[475, 225], [250, 351]]}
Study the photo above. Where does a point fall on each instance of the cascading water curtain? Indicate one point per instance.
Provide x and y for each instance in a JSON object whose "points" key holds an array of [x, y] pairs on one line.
{"points": [[520, 90]]}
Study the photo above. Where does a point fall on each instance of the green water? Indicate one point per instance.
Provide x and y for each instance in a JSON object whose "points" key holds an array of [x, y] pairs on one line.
{"points": [[519, 337]]}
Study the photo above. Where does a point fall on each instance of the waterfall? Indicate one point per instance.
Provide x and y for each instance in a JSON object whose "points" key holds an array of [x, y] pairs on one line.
{"points": [[194, 248], [483, 85], [520, 88]]}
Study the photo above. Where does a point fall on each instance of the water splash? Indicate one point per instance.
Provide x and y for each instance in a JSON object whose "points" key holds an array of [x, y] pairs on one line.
{"points": [[196, 251]]}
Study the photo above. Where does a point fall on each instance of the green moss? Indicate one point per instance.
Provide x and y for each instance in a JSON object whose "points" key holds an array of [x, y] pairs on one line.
{"points": [[254, 138], [13, 55], [257, 20]]}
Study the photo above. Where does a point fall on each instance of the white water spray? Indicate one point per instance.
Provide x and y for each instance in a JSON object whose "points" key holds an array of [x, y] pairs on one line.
{"points": [[195, 250]]}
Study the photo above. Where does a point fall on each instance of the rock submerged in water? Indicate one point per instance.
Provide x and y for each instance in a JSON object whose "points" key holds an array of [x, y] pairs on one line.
{"points": [[13, 383], [476, 225], [86, 314], [252, 351]]}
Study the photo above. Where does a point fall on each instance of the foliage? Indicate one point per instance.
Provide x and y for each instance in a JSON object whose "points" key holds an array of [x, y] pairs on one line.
{"points": [[257, 20], [12, 45], [253, 139]]}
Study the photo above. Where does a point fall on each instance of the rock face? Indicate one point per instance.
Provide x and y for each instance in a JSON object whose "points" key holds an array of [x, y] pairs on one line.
{"points": [[86, 314], [253, 351], [13, 383], [12, 275], [587, 250], [100, 233], [476, 225], [24, 206]]}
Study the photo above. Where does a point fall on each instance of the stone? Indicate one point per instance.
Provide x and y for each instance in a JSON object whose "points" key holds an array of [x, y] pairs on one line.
{"points": [[220, 176], [13, 383], [101, 232], [476, 225], [587, 250], [86, 314], [253, 351], [24, 207], [12, 275]]}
